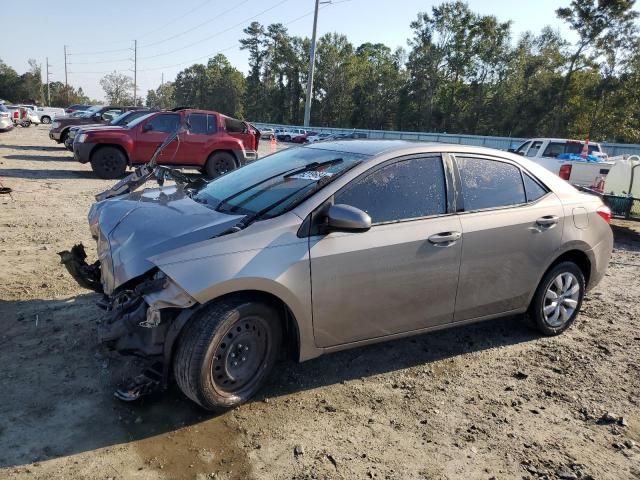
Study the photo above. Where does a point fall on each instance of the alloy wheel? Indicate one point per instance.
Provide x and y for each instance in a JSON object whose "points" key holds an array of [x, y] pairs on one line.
{"points": [[561, 299]]}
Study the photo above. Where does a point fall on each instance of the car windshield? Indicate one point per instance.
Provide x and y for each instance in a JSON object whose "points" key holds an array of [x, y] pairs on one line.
{"points": [[137, 121], [276, 183], [119, 118]]}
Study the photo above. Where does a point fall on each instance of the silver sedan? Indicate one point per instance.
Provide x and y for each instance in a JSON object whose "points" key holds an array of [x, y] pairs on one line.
{"points": [[332, 246]]}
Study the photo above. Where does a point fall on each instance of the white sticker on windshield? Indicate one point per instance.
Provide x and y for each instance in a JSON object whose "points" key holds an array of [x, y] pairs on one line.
{"points": [[312, 175]]}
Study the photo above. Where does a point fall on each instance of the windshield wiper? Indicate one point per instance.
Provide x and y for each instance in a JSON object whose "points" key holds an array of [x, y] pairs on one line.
{"points": [[318, 184], [285, 174]]}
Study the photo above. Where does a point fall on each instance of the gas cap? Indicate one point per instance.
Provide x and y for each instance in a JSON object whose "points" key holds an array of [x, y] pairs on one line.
{"points": [[580, 217]]}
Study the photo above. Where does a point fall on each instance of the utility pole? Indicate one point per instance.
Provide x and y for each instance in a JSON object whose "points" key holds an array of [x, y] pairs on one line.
{"points": [[312, 67], [135, 70], [162, 79], [66, 79], [48, 91]]}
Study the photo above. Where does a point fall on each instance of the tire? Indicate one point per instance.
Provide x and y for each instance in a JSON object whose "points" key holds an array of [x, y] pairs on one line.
{"points": [[553, 321], [63, 136], [205, 365], [219, 163], [25, 123], [287, 138], [45, 120], [109, 162]]}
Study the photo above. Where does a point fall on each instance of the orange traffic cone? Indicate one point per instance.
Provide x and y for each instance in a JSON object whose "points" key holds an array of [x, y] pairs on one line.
{"points": [[274, 144]]}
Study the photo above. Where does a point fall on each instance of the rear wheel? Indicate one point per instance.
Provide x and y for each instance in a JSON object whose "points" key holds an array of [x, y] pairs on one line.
{"points": [[46, 120], [558, 299], [25, 123], [226, 352], [109, 162], [287, 138], [219, 163]]}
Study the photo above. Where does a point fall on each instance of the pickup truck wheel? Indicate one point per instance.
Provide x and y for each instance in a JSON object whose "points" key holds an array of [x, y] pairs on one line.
{"points": [[226, 352], [109, 162], [46, 120], [219, 163]]}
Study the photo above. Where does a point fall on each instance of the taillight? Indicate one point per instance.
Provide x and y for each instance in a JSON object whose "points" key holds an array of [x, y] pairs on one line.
{"points": [[605, 213], [565, 171]]}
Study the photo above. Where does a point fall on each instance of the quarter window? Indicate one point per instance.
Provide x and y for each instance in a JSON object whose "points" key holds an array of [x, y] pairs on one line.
{"points": [[489, 183], [403, 190], [534, 189]]}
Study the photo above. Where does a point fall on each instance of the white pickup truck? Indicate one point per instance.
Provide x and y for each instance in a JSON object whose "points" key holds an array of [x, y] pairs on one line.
{"points": [[545, 152], [45, 114]]}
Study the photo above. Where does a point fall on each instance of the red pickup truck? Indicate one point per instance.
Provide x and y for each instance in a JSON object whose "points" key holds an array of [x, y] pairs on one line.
{"points": [[213, 143]]}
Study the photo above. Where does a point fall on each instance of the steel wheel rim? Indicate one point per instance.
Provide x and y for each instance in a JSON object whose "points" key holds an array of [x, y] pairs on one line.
{"points": [[561, 299], [223, 166], [239, 357]]}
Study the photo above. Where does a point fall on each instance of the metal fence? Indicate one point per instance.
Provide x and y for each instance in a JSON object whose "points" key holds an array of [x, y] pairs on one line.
{"points": [[501, 143]]}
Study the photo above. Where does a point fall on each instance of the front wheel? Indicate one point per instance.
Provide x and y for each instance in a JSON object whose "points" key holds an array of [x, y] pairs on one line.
{"points": [[558, 299], [109, 162], [226, 352], [46, 120], [219, 163]]}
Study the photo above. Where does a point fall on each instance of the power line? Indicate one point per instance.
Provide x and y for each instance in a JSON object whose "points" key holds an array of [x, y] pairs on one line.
{"points": [[217, 33], [172, 21], [102, 61], [196, 27]]}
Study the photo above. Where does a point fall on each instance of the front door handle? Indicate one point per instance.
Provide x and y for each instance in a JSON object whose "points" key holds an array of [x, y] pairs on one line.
{"points": [[444, 238], [547, 220]]}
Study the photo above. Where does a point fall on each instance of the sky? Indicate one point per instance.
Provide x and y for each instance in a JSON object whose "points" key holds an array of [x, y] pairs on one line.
{"points": [[173, 35]]}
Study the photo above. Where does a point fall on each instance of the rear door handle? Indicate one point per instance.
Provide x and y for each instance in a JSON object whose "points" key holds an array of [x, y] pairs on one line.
{"points": [[547, 220], [444, 238]]}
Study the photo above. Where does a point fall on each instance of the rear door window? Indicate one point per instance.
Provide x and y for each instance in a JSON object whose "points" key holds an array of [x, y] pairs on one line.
{"points": [[403, 190], [554, 149], [489, 183]]}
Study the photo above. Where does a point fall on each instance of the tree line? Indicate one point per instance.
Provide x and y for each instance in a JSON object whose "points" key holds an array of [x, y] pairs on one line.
{"points": [[462, 72]]}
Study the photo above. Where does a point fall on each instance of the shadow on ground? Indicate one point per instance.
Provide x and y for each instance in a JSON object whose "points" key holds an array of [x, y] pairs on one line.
{"points": [[41, 158], [34, 147], [47, 173], [57, 398]]}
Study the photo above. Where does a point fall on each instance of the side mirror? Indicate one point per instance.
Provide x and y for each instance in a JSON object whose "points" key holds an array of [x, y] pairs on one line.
{"points": [[147, 127], [345, 218]]}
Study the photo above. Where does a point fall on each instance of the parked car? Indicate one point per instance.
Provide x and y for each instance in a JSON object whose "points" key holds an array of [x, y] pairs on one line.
{"points": [[390, 238], [302, 138], [562, 157], [318, 137], [77, 106], [20, 115], [121, 120], [6, 123], [214, 144], [267, 133], [289, 133], [97, 114], [45, 114]]}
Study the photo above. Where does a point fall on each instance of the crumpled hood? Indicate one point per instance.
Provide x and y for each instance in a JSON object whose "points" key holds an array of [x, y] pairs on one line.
{"points": [[134, 227]]}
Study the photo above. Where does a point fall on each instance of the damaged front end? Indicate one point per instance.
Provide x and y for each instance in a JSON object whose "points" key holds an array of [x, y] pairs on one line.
{"points": [[139, 301]]}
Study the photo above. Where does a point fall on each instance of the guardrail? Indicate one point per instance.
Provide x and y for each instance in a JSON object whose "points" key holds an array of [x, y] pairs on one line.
{"points": [[501, 143]]}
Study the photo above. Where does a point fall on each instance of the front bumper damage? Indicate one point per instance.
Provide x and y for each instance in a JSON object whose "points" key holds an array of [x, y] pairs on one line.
{"points": [[141, 318]]}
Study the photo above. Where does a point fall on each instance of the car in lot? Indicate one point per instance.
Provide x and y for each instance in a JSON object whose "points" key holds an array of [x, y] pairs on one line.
{"points": [[303, 138], [76, 107], [6, 123], [318, 137], [267, 133], [121, 120], [331, 246], [286, 135], [45, 115], [96, 114], [213, 143]]}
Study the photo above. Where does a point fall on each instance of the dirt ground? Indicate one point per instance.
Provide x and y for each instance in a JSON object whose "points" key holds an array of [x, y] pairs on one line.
{"points": [[492, 400]]}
